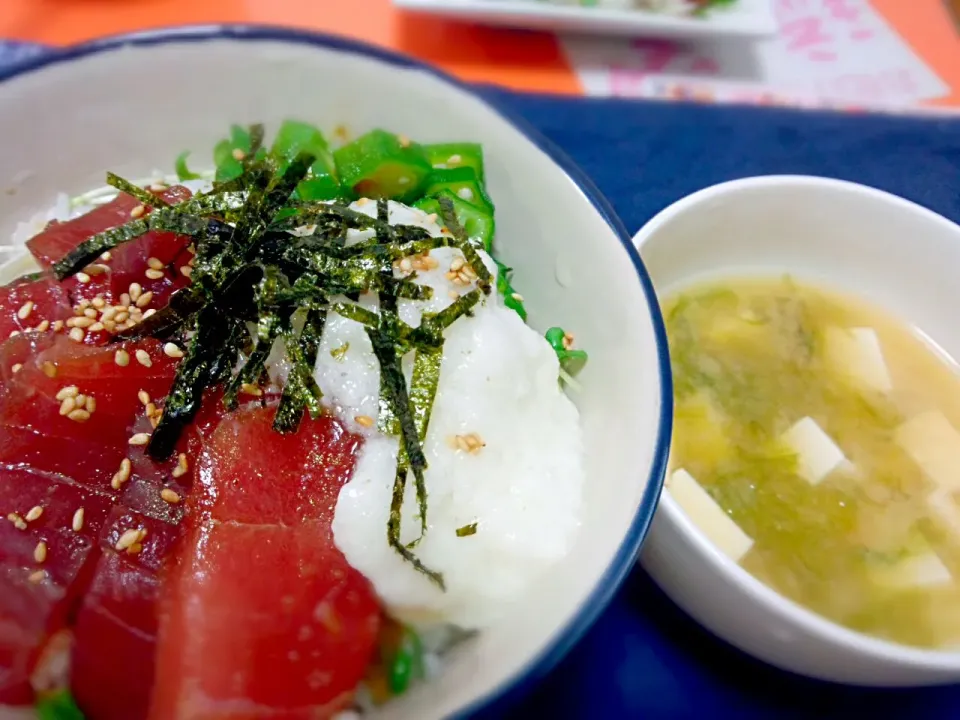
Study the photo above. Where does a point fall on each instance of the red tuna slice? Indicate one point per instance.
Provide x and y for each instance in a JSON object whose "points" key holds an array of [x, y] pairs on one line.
{"points": [[59, 498], [29, 301], [263, 616], [114, 641], [90, 463], [313, 463], [118, 619], [59, 238], [34, 602], [26, 609], [30, 397]]}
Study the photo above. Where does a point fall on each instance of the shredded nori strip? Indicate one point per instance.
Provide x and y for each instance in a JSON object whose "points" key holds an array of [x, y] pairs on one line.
{"points": [[248, 268], [467, 530], [449, 215], [144, 196]]}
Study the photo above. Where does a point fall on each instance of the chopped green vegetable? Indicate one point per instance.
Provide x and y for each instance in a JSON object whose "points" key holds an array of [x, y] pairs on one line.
{"points": [[407, 664], [379, 165], [456, 155], [58, 706], [467, 530], [180, 166], [477, 222], [463, 183], [571, 361], [295, 137], [511, 298]]}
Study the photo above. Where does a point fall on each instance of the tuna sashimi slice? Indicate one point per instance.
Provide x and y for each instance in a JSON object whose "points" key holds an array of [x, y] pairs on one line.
{"points": [[90, 463], [35, 598], [30, 397], [114, 641], [27, 302], [263, 616], [253, 474]]}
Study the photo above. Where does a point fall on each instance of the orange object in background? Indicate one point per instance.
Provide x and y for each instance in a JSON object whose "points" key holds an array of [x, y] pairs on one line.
{"points": [[528, 61], [522, 60]]}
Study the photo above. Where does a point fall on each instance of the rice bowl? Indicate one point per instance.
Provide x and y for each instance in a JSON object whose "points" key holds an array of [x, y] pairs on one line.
{"points": [[491, 322]]}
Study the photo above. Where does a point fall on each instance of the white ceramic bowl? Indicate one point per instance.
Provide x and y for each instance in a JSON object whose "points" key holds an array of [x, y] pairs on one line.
{"points": [[131, 104], [882, 248]]}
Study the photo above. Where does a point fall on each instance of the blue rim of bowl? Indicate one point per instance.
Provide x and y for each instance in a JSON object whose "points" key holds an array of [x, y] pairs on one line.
{"points": [[515, 687]]}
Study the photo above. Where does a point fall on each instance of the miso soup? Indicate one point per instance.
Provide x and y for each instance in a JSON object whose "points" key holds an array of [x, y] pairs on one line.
{"points": [[816, 444]]}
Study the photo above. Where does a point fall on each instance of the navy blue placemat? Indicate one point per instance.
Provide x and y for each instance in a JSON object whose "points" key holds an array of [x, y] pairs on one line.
{"points": [[645, 658]]}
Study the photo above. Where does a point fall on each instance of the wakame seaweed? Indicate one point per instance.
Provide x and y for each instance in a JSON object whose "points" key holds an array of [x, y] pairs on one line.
{"points": [[249, 270]]}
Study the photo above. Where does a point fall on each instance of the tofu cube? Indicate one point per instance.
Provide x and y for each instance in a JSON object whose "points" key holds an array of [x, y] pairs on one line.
{"points": [[856, 353], [817, 454], [934, 445], [707, 515]]}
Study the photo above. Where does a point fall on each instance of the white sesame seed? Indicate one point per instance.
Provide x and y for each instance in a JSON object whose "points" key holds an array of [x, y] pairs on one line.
{"points": [[99, 303], [135, 290], [120, 316], [140, 439], [465, 193], [148, 313], [182, 466], [364, 421], [403, 140], [15, 519], [40, 552], [37, 576], [153, 263], [81, 322], [153, 274], [457, 264], [405, 265], [67, 406], [454, 160], [57, 325], [34, 514], [77, 523], [82, 305], [91, 313], [24, 312], [143, 358], [454, 295], [517, 296], [238, 154], [125, 300], [17, 367], [42, 326], [79, 415], [172, 350], [82, 277], [91, 404], [70, 391], [77, 334], [121, 357], [49, 369], [144, 299], [96, 327], [106, 256], [186, 270], [403, 180], [127, 539], [14, 333], [138, 211], [170, 496], [158, 187], [150, 410]]}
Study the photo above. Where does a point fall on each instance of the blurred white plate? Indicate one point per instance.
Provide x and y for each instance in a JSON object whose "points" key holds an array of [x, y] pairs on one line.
{"points": [[744, 18]]}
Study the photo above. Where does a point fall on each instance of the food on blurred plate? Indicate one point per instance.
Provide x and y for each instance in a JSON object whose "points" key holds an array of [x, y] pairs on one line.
{"points": [[272, 437], [816, 444]]}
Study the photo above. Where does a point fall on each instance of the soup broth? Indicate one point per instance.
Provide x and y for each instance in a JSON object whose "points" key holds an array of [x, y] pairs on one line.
{"points": [[815, 444]]}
